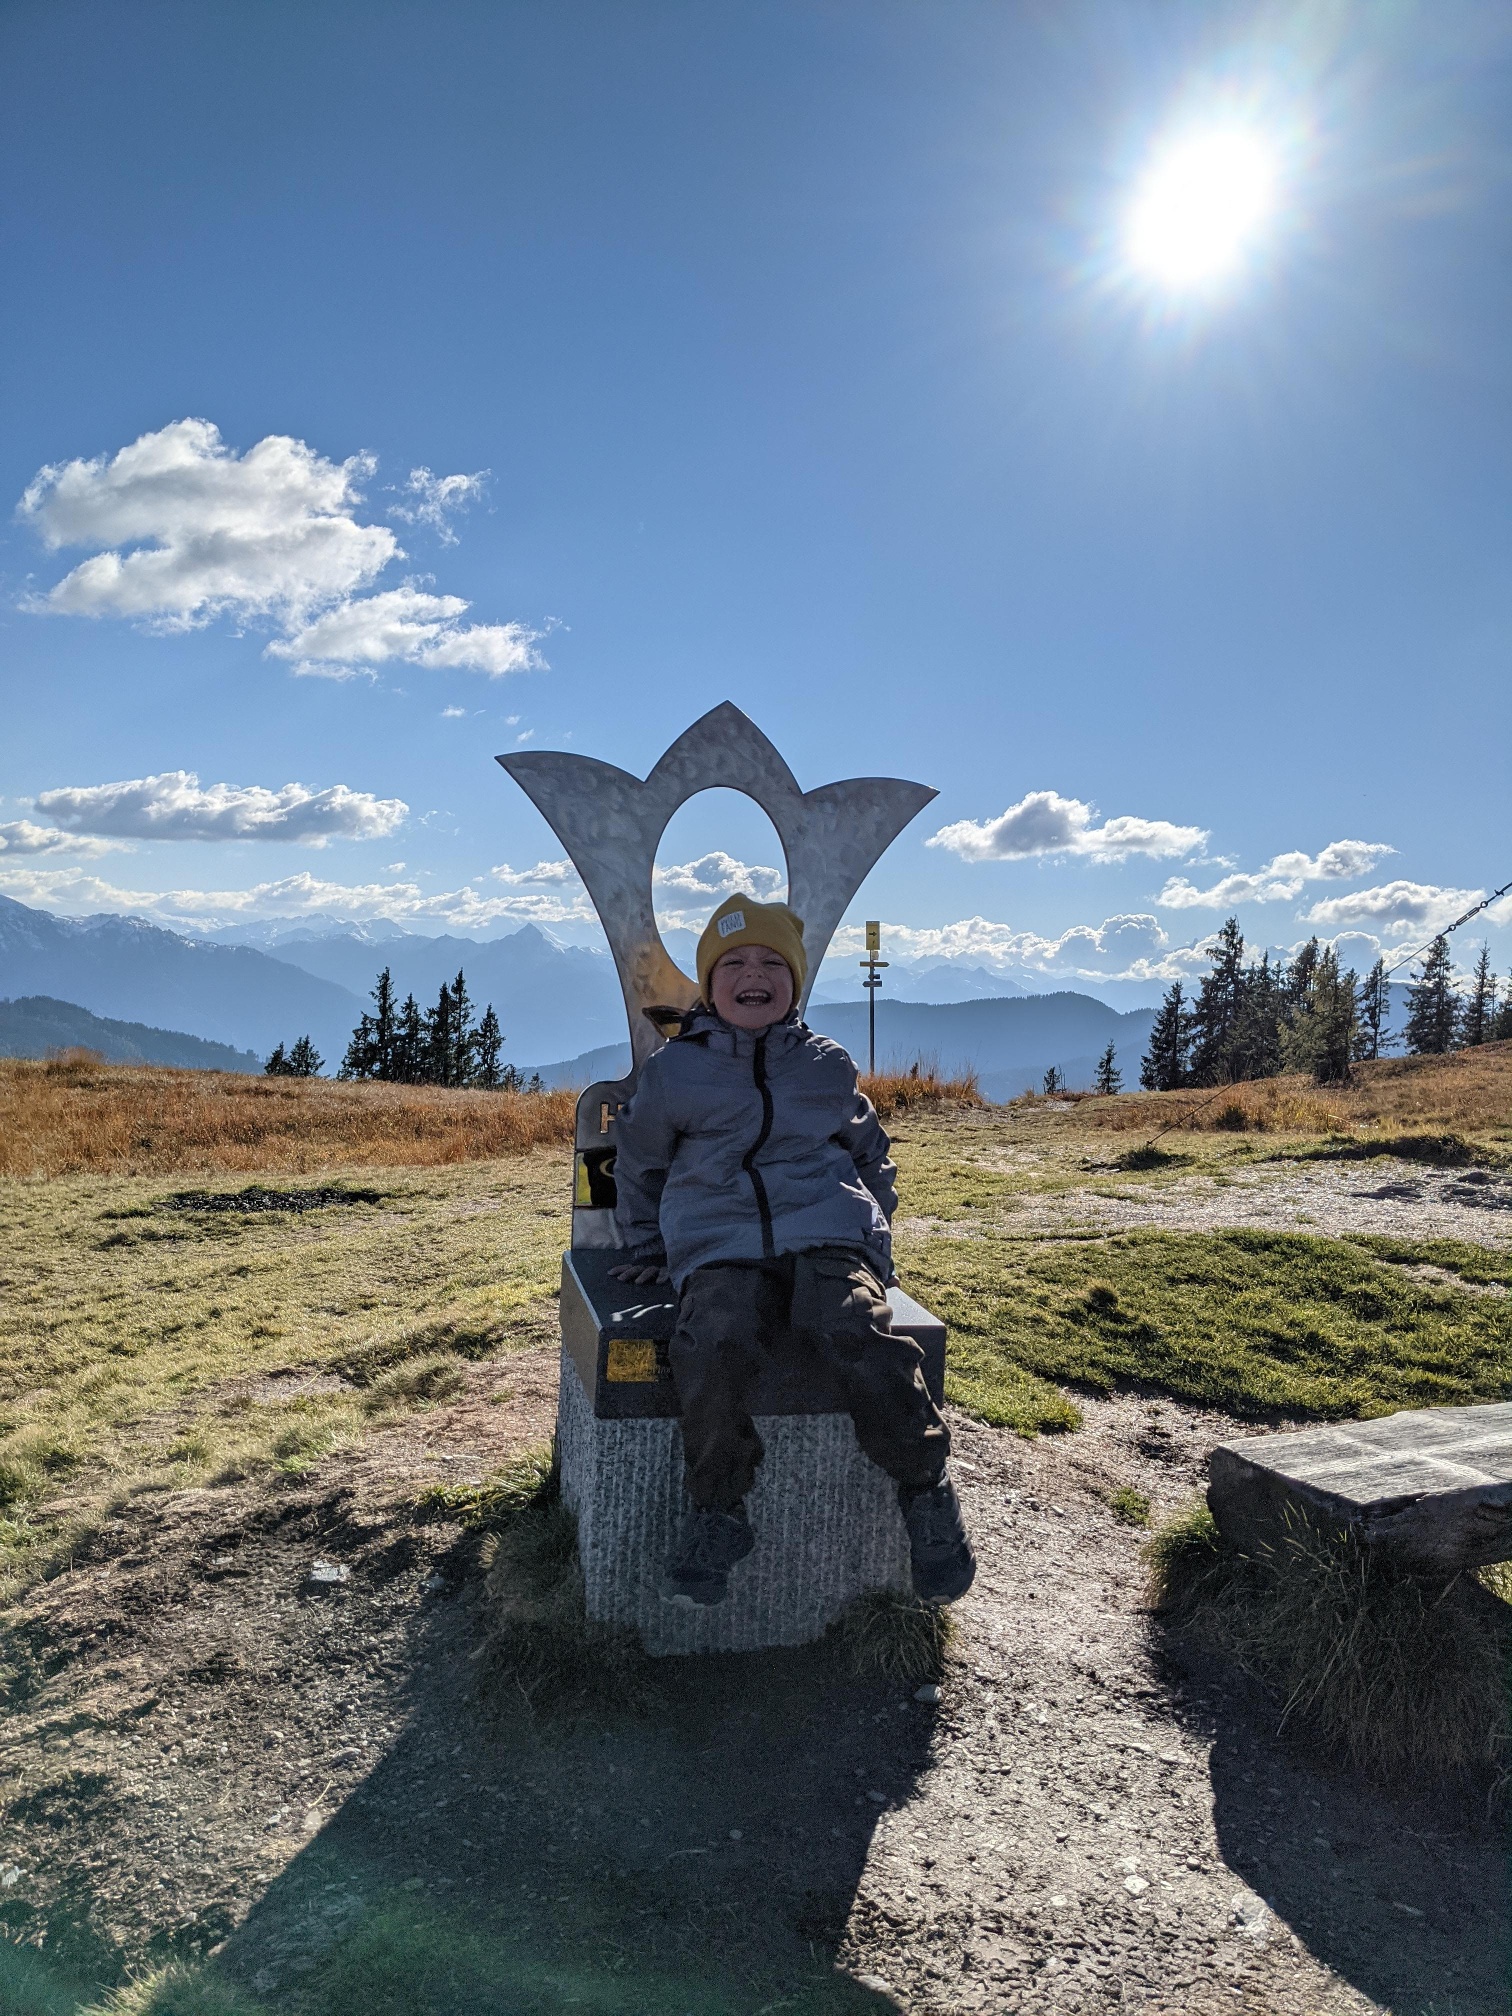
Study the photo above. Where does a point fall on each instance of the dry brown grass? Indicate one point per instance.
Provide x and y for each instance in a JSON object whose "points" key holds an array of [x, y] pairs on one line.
{"points": [[1468, 1092], [919, 1090], [73, 1115]]}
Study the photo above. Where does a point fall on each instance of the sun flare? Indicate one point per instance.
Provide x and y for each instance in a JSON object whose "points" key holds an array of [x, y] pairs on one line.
{"points": [[1200, 206]]}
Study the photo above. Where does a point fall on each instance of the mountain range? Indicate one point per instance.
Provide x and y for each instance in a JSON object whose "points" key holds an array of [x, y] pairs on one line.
{"points": [[1010, 1044], [36, 1026]]}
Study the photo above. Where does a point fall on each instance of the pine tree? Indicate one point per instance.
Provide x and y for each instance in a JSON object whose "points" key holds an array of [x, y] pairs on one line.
{"points": [[440, 1039], [1373, 1037], [277, 1065], [1478, 1014], [1432, 1010], [383, 1026], [486, 1049], [1217, 1012], [305, 1061], [465, 1038], [1108, 1078], [1319, 1037], [409, 1044], [1501, 1027], [1053, 1081], [1163, 1067], [1256, 1043]]}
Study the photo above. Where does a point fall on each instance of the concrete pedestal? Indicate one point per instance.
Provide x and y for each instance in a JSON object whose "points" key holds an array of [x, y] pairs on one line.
{"points": [[827, 1526]]}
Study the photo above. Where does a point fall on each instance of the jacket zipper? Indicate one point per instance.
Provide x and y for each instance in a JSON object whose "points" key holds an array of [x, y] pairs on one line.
{"points": [[748, 1161]]}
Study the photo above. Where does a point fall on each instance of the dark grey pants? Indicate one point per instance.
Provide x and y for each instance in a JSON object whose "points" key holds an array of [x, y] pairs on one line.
{"points": [[826, 1306]]}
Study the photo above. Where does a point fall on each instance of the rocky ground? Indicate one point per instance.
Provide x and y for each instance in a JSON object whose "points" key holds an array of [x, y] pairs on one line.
{"points": [[248, 1723]]}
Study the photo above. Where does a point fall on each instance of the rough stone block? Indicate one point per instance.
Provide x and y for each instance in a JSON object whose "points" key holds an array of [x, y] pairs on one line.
{"points": [[1433, 1487], [826, 1518]]}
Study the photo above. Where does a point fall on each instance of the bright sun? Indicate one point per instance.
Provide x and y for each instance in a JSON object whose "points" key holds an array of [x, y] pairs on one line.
{"points": [[1199, 206]]}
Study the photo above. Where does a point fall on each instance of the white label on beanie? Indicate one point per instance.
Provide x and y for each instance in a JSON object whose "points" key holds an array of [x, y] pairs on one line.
{"points": [[734, 922]]}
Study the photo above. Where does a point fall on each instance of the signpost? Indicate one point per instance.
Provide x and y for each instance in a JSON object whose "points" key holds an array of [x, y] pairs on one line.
{"points": [[871, 983]]}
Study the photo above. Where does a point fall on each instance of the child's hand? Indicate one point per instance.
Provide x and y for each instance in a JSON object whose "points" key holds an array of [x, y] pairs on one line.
{"points": [[641, 1275]]}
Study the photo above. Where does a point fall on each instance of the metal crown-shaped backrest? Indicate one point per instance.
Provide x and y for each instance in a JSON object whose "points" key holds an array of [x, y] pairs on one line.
{"points": [[611, 824]]}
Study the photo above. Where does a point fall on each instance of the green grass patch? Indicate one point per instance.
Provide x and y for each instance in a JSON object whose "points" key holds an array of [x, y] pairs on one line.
{"points": [[527, 1483], [1403, 1677], [1482, 1266], [1252, 1322], [1130, 1507]]}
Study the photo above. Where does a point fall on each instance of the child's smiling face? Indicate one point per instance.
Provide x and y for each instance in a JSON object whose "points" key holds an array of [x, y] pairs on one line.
{"points": [[752, 987]]}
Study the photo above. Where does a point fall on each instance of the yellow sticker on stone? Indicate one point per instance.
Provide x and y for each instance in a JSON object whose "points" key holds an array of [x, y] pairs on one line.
{"points": [[583, 1190], [631, 1362]]}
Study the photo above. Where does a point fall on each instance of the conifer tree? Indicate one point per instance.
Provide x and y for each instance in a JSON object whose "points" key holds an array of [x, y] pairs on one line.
{"points": [[409, 1044], [1478, 1014], [1108, 1079], [1373, 1037], [440, 1040], [1163, 1067], [1319, 1037], [1053, 1081], [305, 1060], [486, 1050], [465, 1036], [383, 1026], [1217, 1012], [1256, 1044], [1432, 1010], [277, 1065], [1501, 1026]]}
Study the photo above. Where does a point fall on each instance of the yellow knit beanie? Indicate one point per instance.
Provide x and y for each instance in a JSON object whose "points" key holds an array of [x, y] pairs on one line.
{"points": [[741, 920]]}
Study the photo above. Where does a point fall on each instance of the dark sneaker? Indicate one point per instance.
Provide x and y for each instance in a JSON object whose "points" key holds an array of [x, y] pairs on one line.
{"points": [[706, 1549], [944, 1566]]}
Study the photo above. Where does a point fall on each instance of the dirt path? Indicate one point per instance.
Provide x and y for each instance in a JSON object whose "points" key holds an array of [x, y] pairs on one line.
{"points": [[207, 1750]]}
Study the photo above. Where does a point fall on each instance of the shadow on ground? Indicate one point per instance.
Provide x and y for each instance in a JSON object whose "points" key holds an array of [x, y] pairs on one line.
{"points": [[1405, 1900], [693, 1854]]}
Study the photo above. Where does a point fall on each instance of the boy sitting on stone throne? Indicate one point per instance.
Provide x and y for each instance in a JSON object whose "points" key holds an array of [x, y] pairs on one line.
{"points": [[752, 1170]]}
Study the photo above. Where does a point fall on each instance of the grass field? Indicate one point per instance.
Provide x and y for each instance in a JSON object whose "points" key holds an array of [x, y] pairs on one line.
{"points": [[143, 1317]]}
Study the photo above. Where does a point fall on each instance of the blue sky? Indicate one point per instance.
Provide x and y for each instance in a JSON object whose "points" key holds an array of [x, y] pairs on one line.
{"points": [[805, 354]]}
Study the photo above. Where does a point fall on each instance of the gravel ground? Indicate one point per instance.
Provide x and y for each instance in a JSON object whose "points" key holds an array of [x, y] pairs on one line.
{"points": [[1333, 1201], [212, 1751]]}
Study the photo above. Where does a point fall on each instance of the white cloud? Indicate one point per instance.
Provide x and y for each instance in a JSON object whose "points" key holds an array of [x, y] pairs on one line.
{"points": [[716, 875], [175, 806], [1396, 908], [1128, 947], [453, 713], [548, 872], [1281, 879], [73, 892], [410, 625], [21, 836], [188, 530], [270, 532], [1045, 823], [437, 497]]}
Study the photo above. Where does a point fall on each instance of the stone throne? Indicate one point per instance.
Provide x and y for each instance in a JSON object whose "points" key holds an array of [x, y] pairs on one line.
{"points": [[827, 1519]]}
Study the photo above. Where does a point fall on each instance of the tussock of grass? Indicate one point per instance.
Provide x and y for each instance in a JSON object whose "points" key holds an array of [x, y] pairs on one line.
{"points": [[176, 1990], [1128, 1505], [1253, 1322], [886, 1636], [74, 1115], [921, 1089], [523, 1485], [384, 1363], [1404, 1678]]}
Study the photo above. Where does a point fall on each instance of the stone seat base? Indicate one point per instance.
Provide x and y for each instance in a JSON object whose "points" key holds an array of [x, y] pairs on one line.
{"points": [[826, 1518]]}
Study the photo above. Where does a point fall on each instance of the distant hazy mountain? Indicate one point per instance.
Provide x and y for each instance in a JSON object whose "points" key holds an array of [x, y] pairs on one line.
{"points": [[941, 982], [36, 1025], [1010, 1044], [549, 998], [124, 967]]}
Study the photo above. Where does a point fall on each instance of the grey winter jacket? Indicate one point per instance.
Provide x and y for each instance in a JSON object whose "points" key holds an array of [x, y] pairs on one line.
{"points": [[741, 1146]]}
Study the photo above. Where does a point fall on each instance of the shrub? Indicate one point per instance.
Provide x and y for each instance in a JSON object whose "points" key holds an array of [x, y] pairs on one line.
{"points": [[886, 1636]]}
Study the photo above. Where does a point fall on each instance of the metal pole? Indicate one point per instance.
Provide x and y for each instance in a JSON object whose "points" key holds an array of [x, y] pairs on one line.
{"points": [[871, 983]]}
